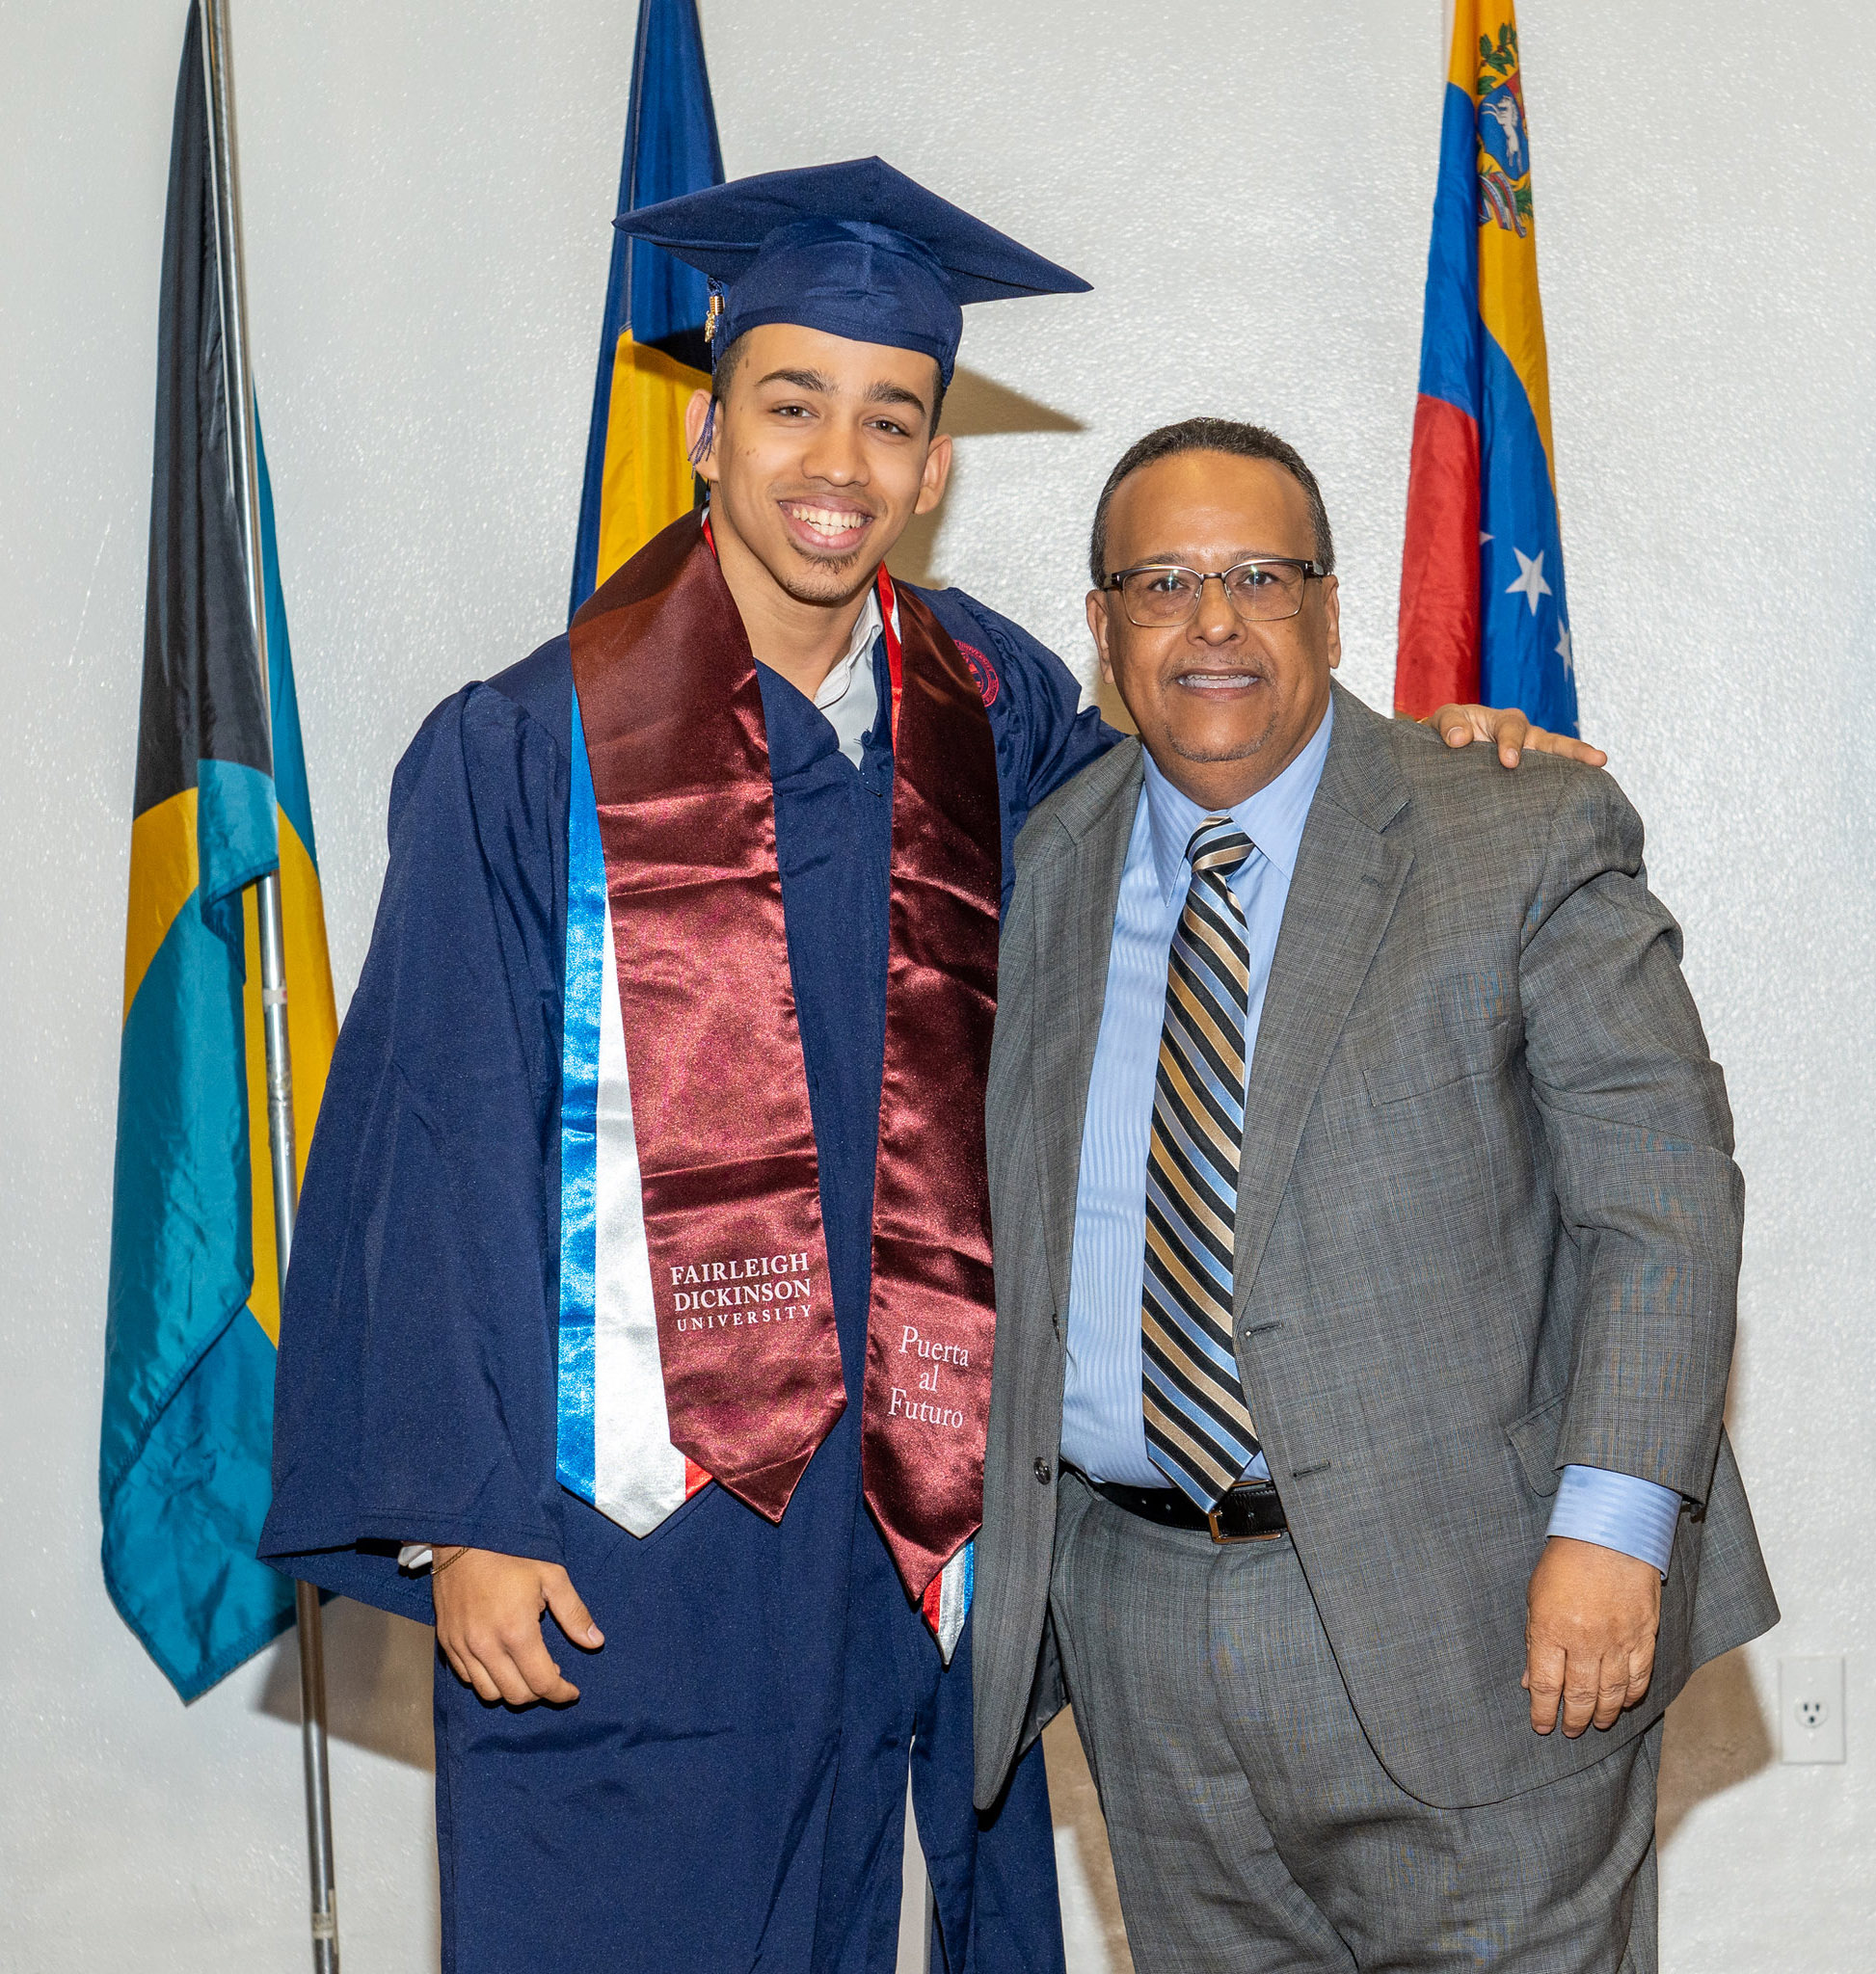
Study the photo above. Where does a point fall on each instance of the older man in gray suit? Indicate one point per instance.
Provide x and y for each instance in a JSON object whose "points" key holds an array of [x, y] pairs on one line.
{"points": [[1367, 1238]]}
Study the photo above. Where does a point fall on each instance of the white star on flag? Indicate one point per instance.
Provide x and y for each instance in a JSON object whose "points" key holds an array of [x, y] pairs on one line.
{"points": [[1530, 583], [1562, 649]]}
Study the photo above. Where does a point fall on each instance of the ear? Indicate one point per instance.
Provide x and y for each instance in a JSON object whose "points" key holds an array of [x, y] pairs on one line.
{"points": [[1332, 619], [1097, 624], [695, 414], [937, 472]]}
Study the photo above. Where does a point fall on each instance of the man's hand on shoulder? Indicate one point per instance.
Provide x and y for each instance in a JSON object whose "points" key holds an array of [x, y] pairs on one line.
{"points": [[489, 1624], [1589, 1633], [1459, 726]]}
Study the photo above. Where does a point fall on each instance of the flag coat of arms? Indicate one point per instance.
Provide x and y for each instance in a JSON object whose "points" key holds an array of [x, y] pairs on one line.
{"points": [[1483, 609], [221, 799]]}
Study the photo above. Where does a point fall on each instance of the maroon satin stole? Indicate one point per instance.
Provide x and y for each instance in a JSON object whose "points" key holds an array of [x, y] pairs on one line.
{"points": [[673, 717]]}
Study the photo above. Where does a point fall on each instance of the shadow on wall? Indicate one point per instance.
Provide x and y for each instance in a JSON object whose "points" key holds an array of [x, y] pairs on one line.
{"points": [[1717, 1737], [975, 407], [1092, 1930], [378, 1669], [1112, 709]]}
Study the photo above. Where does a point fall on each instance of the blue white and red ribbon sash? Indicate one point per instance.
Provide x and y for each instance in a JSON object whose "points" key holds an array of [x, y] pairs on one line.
{"points": [[615, 1446]]}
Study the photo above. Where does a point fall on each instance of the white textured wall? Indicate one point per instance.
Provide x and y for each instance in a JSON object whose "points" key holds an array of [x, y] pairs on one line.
{"points": [[1247, 183]]}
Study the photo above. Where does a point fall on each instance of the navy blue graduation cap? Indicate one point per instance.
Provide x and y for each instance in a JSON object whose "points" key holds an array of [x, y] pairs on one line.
{"points": [[858, 249]]}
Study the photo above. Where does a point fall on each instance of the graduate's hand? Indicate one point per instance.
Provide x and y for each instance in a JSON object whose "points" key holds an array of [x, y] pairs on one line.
{"points": [[1589, 1638], [1459, 726], [489, 1624]]}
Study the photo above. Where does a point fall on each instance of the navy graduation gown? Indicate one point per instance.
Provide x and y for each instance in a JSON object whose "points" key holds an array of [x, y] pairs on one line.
{"points": [[729, 1791]]}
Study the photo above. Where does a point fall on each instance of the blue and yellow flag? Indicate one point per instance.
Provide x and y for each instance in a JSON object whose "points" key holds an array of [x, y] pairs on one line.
{"points": [[1482, 615], [651, 351], [221, 799], [312, 1014]]}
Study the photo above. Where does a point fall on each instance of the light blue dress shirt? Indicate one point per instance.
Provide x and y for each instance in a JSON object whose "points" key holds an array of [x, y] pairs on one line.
{"points": [[1102, 1430]]}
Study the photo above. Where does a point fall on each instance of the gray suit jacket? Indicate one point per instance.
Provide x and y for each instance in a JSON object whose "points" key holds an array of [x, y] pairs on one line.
{"points": [[1487, 1225]]}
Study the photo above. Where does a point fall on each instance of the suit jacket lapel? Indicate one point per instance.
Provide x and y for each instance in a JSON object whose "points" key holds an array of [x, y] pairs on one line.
{"points": [[1348, 879], [1077, 890]]}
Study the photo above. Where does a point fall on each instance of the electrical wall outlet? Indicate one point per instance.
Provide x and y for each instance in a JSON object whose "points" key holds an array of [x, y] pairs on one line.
{"points": [[1811, 1710]]}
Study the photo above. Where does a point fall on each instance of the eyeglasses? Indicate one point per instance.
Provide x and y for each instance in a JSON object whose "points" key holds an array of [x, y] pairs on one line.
{"points": [[1158, 595]]}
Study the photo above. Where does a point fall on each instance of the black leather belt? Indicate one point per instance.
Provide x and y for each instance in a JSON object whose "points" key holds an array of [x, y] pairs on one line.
{"points": [[1250, 1514]]}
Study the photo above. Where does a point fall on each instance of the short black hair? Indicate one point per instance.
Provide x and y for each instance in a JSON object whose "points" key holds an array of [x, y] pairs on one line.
{"points": [[726, 370], [1210, 435]]}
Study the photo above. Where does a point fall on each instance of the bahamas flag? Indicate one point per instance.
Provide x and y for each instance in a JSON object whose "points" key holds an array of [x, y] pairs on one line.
{"points": [[220, 798], [311, 1015], [652, 353], [1482, 615]]}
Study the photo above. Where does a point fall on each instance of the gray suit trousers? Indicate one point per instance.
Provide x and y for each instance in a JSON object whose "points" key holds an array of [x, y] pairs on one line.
{"points": [[1253, 1829]]}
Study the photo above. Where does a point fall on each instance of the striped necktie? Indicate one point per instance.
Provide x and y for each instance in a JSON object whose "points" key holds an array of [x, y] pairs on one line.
{"points": [[1198, 1428]]}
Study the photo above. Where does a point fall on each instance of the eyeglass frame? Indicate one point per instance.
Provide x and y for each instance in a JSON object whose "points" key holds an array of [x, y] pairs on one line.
{"points": [[1308, 568]]}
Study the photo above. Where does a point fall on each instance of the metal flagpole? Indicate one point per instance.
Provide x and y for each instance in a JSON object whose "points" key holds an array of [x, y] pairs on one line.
{"points": [[273, 946]]}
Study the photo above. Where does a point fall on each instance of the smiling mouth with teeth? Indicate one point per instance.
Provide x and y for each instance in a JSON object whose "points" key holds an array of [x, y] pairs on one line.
{"points": [[829, 522], [1217, 681]]}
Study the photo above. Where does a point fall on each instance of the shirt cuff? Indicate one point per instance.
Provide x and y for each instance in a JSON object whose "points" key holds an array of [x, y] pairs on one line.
{"points": [[1617, 1511], [415, 1556]]}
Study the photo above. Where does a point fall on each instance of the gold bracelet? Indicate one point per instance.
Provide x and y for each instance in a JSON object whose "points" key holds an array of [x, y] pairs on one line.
{"points": [[437, 1568]]}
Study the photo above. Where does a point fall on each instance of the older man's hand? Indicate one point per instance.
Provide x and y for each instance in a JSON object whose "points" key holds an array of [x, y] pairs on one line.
{"points": [[1589, 1636], [1459, 726], [489, 1611]]}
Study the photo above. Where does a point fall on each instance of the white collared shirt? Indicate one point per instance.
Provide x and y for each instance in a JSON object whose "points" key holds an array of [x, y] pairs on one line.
{"points": [[849, 695]]}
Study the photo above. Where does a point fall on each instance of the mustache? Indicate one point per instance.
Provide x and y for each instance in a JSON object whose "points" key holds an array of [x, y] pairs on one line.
{"points": [[832, 503]]}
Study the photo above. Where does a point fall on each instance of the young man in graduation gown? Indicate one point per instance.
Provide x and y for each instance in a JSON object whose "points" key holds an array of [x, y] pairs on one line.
{"points": [[642, 1273], [643, 1266]]}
